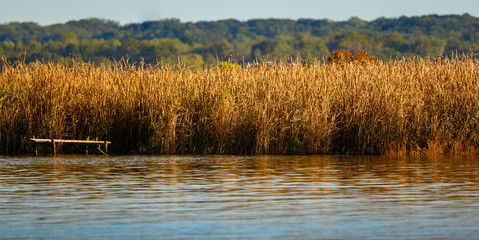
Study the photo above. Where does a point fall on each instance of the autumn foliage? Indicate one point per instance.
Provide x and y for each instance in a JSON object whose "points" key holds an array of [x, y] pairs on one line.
{"points": [[346, 56]]}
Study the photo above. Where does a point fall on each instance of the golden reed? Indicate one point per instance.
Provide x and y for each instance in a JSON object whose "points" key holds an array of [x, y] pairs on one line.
{"points": [[409, 106]]}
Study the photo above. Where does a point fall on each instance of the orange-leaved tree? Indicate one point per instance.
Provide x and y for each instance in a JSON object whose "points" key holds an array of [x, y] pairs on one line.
{"points": [[346, 56]]}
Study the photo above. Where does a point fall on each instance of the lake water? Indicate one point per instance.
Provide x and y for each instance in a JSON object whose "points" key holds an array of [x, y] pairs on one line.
{"points": [[239, 197]]}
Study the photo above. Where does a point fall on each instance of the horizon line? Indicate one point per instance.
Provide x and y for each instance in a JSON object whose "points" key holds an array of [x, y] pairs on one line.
{"points": [[229, 19]]}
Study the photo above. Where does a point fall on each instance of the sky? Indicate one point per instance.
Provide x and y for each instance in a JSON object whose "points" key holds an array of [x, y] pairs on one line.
{"points": [[47, 12]]}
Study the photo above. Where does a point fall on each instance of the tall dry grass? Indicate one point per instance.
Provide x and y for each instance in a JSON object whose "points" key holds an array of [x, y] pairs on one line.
{"points": [[398, 107]]}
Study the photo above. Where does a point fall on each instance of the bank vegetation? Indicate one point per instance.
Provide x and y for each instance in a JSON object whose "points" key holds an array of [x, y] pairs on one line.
{"points": [[397, 107]]}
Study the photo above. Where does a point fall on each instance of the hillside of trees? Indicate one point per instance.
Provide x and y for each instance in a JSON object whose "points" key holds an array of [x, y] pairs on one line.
{"points": [[200, 43]]}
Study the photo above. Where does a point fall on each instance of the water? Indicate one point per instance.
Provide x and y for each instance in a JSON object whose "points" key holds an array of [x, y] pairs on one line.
{"points": [[238, 197]]}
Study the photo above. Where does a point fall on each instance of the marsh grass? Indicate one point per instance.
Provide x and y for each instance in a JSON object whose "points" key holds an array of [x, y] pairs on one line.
{"points": [[409, 106]]}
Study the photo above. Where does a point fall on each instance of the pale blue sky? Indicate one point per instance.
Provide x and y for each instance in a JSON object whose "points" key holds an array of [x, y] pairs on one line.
{"points": [[46, 12]]}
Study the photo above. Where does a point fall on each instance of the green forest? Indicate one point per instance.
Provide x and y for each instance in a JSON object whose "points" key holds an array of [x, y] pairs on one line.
{"points": [[201, 43]]}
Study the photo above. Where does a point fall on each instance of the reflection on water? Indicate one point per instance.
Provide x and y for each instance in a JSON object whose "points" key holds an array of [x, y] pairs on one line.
{"points": [[208, 197]]}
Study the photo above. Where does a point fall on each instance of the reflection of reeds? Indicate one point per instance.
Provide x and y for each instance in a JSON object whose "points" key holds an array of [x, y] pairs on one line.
{"points": [[406, 106]]}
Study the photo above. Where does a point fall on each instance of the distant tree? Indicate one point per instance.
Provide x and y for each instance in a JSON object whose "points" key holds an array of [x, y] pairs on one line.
{"points": [[310, 47], [276, 48], [427, 46], [351, 41], [395, 41], [7, 46], [456, 46], [192, 59], [130, 48], [99, 40], [221, 50]]}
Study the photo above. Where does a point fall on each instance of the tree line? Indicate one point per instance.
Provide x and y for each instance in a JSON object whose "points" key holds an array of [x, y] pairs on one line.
{"points": [[200, 43]]}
